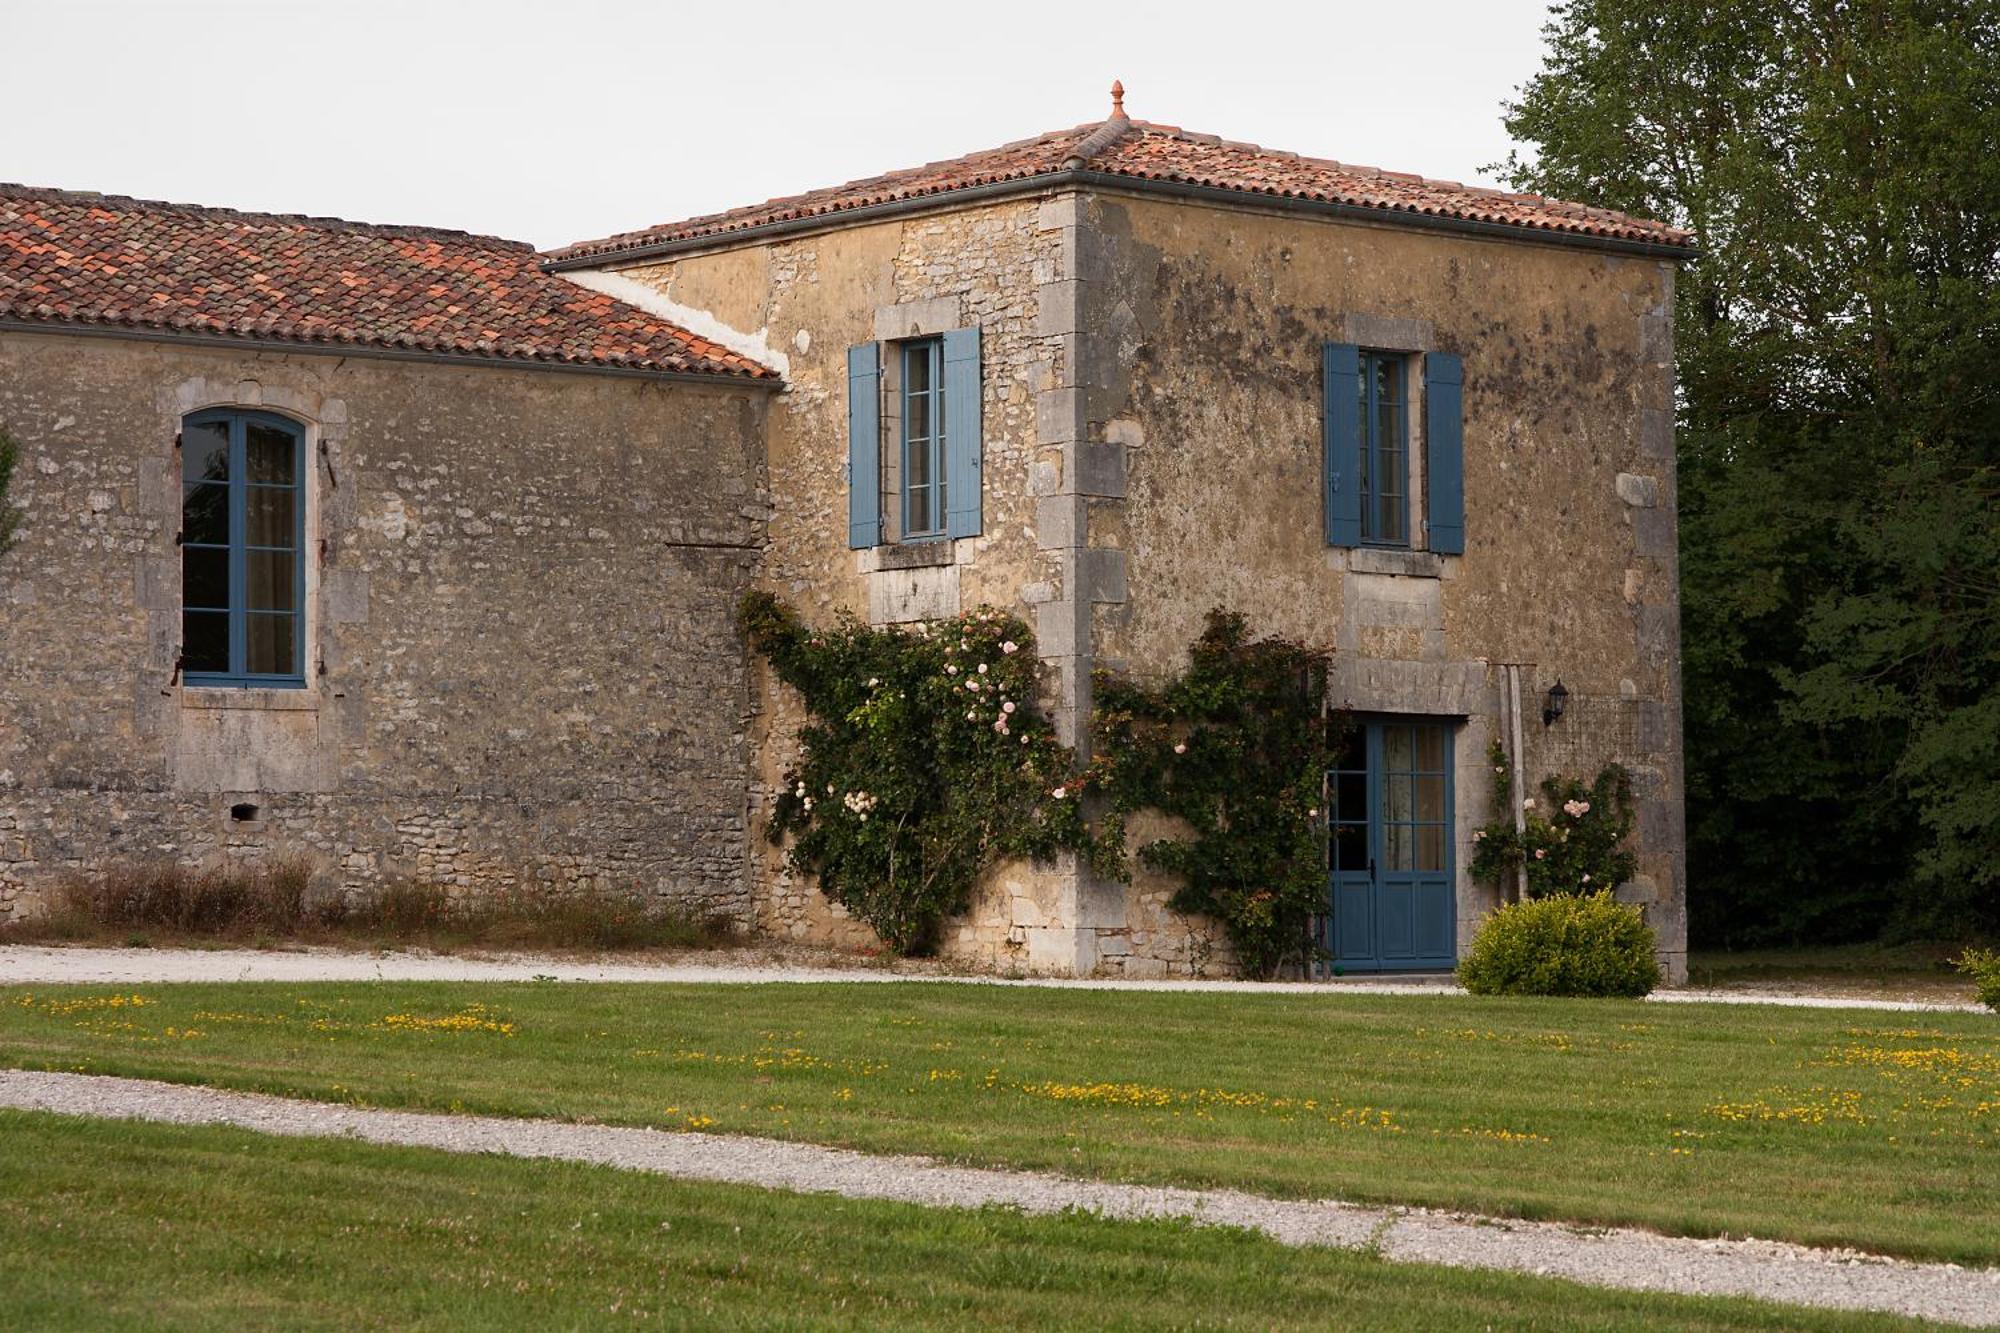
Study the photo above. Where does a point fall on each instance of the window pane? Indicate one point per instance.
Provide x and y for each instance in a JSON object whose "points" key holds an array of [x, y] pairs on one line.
{"points": [[1350, 846], [268, 581], [204, 578], [1397, 804], [1430, 749], [917, 461], [205, 641], [1398, 749], [270, 453], [1350, 796], [1353, 752], [1399, 847], [1430, 847], [1430, 798], [917, 367], [272, 651], [271, 516], [205, 515], [205, 452], [1395, 515]]}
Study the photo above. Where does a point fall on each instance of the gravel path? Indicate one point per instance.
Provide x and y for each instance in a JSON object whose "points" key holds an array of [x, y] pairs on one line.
{"points": [[1607, 1258], [39, 965]]}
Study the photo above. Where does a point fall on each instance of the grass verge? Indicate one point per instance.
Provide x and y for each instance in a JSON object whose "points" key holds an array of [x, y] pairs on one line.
{"points": [[1910, 971], [1824, 1127], [114, 1225]]}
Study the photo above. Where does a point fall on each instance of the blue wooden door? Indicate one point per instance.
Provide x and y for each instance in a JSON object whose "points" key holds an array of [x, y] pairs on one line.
{"points": [[1392, 889]]}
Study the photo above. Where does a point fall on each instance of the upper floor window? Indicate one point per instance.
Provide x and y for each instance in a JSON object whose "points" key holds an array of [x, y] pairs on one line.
{"points": [[1385, 482], [1384, 428], [242, 543], [924, 478], [925, 396]]}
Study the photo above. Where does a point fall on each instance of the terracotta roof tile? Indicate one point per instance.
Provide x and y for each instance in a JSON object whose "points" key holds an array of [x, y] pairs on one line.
{"points": [[1144, 151], [110, 262]]}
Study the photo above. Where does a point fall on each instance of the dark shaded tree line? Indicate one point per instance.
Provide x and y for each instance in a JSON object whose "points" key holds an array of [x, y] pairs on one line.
{"points": [[1839, 437]]}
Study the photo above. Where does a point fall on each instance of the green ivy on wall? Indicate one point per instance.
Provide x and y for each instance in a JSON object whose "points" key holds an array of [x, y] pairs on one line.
{"points": [[10, 517], [925, 760], [1237, 747]]}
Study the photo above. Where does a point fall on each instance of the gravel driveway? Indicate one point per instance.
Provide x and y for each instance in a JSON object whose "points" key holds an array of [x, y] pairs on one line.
{"points": [[1607, 1258], [39, 965]]}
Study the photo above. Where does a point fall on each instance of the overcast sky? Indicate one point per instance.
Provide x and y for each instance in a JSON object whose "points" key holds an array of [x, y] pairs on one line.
{"points": [[555, 122]]}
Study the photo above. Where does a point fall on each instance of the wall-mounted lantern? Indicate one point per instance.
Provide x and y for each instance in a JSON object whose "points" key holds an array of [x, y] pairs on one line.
{"points": [[1557, 701]]}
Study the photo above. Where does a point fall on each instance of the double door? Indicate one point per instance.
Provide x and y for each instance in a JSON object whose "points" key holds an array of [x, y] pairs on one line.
{"points": [[1391, 885]]}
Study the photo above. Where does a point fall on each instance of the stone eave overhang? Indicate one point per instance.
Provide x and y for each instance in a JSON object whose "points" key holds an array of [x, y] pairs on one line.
{"points": [[1083, 178]]}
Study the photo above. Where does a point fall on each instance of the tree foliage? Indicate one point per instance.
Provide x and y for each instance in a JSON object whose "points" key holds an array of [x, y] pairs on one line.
{"points": [[1839, 413]]}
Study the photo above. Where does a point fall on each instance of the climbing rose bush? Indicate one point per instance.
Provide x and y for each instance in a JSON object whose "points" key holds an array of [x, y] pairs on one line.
{"points": [[925, 759], [1573, 837]]}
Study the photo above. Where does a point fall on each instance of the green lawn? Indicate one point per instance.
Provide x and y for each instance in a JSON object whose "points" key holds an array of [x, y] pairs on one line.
{"points": [[113, 1225], [1826, 1127]]}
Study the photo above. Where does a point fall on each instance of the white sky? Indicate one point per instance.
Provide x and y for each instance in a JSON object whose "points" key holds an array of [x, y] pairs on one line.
{"points": [[554, 122]]}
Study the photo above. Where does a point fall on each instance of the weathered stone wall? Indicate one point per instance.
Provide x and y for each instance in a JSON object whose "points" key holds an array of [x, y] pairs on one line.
{"points": [[522, 664], [812, 298], [1210, 390]]}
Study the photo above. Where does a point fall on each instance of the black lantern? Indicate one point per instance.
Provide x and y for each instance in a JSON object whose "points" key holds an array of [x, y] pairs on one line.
{"points": [[1557, 701]]}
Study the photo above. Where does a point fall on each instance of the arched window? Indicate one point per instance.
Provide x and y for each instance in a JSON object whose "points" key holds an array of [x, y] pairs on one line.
{"points": [[242, 549]]}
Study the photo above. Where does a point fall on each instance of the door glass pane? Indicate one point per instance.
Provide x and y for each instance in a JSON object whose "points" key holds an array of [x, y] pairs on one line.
{"points": [[204, 578], [205, 515], [205, 452], [205, 641], [1350, 847], [268, 582], [1399, 847], [270, 515], [1396, 798], [1430, 799], [270, 454], [1399, 749], [1430, 750], [1430, 847], [271, 648], [1353, 747], [1350, 796]]}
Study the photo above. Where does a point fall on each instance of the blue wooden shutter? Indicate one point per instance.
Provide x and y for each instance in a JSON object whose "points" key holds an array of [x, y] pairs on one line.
{"points": [[1340, 430], [963, 438], [1444, 442], [864, 446]]}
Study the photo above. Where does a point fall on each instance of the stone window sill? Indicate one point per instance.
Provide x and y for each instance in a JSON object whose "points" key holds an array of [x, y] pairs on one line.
{"points": [[1382, 560], [916, 555], [304, 700]]}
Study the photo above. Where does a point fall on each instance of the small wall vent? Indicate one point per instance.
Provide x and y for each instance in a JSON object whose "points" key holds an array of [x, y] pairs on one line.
{"points": [[243, 812]]}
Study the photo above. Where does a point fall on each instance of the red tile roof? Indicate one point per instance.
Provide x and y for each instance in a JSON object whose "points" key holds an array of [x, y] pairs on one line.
{"points": [[107, 262], [1143, 151]]}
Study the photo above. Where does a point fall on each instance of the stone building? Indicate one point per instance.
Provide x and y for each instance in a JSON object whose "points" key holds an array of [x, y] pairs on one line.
{"points": [[1107, 378], [373, 543]]}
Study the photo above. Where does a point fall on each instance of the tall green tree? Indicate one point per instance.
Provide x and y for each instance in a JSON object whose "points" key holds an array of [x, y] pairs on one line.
{"points": [[1839, 362]]}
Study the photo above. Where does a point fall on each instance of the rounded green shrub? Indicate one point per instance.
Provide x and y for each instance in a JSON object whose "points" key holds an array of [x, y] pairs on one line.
{"points": [[1983, 966], [1564, 945]]}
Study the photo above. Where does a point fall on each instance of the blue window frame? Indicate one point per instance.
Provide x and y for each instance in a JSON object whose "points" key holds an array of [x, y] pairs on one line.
{"points": [[924, 428], [1385, 450], [242, 550]]}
